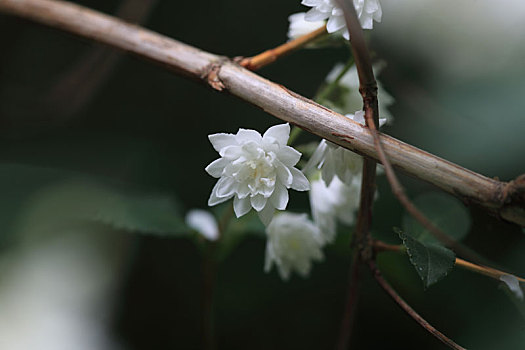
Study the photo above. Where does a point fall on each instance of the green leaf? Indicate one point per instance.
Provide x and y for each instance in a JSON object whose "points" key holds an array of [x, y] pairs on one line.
{"points": [[431, 261], [141, 213], [442, 210]]}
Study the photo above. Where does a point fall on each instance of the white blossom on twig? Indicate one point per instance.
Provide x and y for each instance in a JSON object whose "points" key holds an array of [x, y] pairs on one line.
{"points": [[256, 171], [294, 242]]}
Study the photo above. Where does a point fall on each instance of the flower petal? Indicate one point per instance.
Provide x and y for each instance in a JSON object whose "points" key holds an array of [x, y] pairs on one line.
{"points": [[231, 152], [258, 202], [317, 158], [279, 133], [315, 15], [226, 187], [216, 167], [335, 23], [284, 175], [214, 199], [310, 2], [279, 198], [203, 222], [513, 284], [328, 168], [245, 135], [289, 156], [241, 206], [266, 214], [221, 140], [300, 182]]}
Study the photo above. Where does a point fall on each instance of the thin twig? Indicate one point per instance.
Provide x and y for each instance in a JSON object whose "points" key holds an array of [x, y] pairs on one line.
{"points": [[380, 246], [272, 55], [273, 98], [408, 309]]}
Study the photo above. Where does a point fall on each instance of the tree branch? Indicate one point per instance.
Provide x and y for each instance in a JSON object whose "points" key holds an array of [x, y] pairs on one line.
{"points": [[492, 195]]}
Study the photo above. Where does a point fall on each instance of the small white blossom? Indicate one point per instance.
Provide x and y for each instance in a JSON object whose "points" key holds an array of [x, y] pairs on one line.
{"points": [[299, 26], [367, 11], [338, 201], [204, 223], [352, 100], [293, 243], [255, 170], [335, 160]]}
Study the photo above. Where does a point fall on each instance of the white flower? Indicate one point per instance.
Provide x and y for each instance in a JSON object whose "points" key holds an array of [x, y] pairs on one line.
{"points": [[335, 160], [293, 243], [337, 201], [255, 170], [367, 11], [352, 100], [204, 223], [299, 26]]}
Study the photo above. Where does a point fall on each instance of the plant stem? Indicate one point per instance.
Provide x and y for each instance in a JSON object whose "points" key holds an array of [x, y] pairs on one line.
{"points": [[272, 55]]}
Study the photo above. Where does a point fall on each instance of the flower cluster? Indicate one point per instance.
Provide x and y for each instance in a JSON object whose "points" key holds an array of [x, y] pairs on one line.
{"points": [[293, 243], [256, 171], [367, 11]]}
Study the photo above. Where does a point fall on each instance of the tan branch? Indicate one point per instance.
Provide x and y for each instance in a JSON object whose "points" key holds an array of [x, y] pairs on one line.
{"points": [[220, 72], [272, 55]]}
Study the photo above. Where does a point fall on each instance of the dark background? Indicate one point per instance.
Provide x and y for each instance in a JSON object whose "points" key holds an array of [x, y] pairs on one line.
{"points": [[143, 128]]}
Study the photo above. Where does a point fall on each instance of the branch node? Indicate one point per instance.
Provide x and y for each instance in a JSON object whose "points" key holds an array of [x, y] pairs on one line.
{"points": [[210, 75]]}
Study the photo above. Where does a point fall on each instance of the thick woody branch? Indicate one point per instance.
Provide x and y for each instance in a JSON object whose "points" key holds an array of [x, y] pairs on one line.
{"points": [[221, 73]]}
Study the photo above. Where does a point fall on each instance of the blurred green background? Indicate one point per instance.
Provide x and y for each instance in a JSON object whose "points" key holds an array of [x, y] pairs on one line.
{"points": [[94, 145]]}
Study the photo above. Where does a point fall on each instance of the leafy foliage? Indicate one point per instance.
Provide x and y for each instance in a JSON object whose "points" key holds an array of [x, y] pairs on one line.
{"points": [[144, 213], [431, 261]]}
